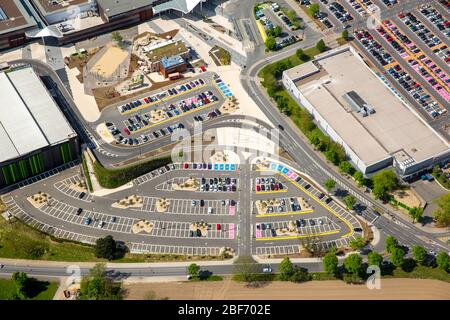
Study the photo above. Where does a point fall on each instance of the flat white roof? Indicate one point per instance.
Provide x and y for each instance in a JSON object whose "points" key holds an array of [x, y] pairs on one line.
{"points": [[391, 128], [29, 117]]}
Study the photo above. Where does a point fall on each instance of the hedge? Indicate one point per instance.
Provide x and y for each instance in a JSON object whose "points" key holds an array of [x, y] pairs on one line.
{"points": [[114, 178], [86, 174]]}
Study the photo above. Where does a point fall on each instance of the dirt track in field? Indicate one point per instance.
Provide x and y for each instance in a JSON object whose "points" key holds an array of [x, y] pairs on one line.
{"points": [[391, 289]]}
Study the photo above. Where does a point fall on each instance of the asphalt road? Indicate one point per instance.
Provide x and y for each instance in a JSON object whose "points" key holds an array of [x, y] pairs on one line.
{"points": [[302, 153]]}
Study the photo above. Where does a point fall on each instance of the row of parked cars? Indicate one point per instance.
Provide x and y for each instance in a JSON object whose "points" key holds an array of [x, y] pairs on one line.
{"points": [[340, 12], [219, 184], [390, 3], [187, 86], [436, 18], [373, 47], [268, 184], [361, 5], [419, 29]]}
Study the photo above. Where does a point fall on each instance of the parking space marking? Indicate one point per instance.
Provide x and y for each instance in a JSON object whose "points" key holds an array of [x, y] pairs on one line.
{"points": [[185, 207], [289, 213]]}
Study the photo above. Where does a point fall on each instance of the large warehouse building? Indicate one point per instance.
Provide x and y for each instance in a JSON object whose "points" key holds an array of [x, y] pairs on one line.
{"points": [[356, 109], [34, 134]]}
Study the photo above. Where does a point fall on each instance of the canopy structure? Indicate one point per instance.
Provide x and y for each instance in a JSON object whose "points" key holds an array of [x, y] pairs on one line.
{"points": [[49, 31], [184, 6]]}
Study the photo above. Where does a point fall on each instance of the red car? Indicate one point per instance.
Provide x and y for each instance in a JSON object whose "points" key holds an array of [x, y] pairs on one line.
{"points": [[186, 165], [218, 226], [258, 188], [146, 100], [203, 68], [127, 131]]}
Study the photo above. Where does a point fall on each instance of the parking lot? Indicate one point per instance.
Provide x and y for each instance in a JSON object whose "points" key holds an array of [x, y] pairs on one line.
{"points": [[305, 211], [411, 52], [152, 117]]}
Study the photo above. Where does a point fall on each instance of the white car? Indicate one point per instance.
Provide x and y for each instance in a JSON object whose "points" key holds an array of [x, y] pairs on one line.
{"points": [[267, 270], [100, 225]]}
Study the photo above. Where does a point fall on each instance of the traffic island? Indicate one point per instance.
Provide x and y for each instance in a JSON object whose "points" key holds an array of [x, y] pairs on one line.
{"points": [[142, 226], [157, 116], [230, 106], [199, 226], [133, 201], [39, 199], [162, 205], [262, 205], [190, 184], [79, 186], [227, 252], [303, 204]]}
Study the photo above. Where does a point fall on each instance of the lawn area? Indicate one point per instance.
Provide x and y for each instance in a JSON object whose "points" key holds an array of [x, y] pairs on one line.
{"points": [[41, 290], [19, 241], [293, 61], [421, 272], [223, 55]]}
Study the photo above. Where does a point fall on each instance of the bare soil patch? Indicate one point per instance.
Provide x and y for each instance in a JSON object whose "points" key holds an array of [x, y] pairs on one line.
{"points": [[391, 289]]}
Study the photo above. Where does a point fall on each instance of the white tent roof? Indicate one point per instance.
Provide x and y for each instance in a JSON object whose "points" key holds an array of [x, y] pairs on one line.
{"points": [[46, 32], [184, 6]]}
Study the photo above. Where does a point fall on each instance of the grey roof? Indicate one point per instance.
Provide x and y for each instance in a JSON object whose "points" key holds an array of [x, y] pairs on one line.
{"points": [[29, 117], [29, 20], [115, 7]]}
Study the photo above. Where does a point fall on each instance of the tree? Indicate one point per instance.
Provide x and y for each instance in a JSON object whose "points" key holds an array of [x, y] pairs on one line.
{"points": [[271, 43], [442, 215], [313, 9], [349, 201], [286, 269], [353, 263], [275, 32], [97, 286], [117, 37], [21, 282], [345, 34], [105, 248], [330, 264], [383, 182], [300, 275], [302, 55], [330, 184], [443, 261], [246, 269], [416, 213], [193, 269], [346, 167], [397, 256], [391, 243], [358, 243], [374, 258], [419, 254], [359, 178], [321, 46]]}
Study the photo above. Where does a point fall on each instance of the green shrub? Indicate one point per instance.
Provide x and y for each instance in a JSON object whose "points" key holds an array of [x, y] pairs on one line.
{"points": [[114, 178]]}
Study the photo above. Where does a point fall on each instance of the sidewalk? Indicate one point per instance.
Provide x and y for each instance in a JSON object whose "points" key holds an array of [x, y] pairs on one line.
{"points": [[115, 265]]}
